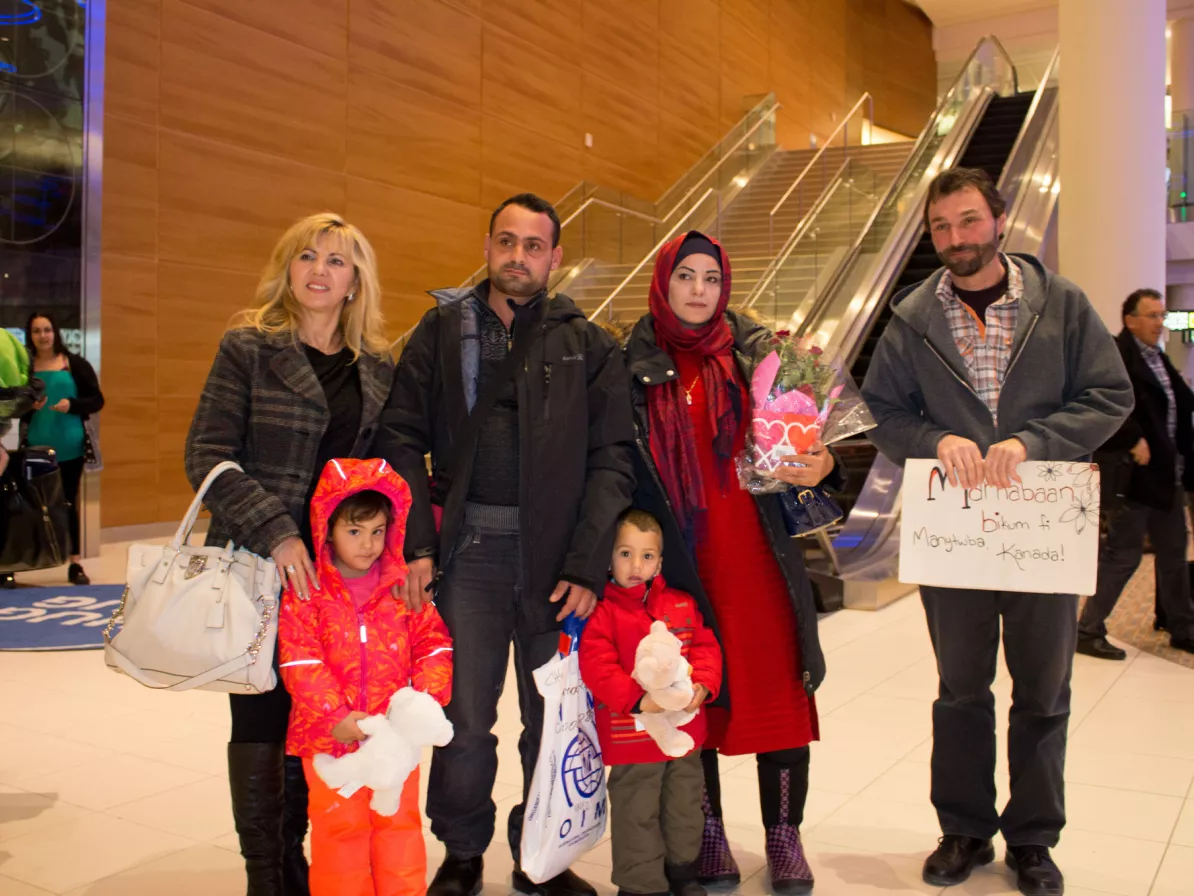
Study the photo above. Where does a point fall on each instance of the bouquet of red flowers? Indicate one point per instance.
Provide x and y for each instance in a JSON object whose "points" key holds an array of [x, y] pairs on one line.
{"points": [[799, 396]]}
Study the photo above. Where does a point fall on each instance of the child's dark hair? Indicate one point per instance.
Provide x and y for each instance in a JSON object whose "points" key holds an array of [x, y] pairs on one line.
{"points": [[642, 521], [359, 508]]}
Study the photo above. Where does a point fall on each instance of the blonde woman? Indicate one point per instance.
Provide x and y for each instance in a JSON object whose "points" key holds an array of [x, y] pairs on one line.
{"points": [[299, 378]]}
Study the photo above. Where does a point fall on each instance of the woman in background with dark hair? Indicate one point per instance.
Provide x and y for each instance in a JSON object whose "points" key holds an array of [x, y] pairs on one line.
{"points": [[72, 395]]}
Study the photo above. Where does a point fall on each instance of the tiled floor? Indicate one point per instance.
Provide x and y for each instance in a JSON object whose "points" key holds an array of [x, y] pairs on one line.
{"points": [[107, 789]]}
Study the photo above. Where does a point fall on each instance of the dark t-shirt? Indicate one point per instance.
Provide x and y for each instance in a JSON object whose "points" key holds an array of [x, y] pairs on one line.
{"points": [[982, 299], [496, 462], [341, 383]]}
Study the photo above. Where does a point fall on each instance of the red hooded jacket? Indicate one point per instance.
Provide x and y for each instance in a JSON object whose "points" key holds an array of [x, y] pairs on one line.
{"points": [[607, 647], [336, 659]]}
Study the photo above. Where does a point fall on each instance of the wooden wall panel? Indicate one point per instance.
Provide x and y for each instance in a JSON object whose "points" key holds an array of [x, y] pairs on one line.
{"points": [[226, 206], [225, 121], [229, 82], [133, 49]]}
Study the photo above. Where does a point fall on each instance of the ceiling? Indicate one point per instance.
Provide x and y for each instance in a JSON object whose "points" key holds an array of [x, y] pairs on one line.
{"points": [[944, 13]]}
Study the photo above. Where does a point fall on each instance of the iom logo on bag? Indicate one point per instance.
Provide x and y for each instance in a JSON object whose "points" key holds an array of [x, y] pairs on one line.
{"points": [[582, 769]]}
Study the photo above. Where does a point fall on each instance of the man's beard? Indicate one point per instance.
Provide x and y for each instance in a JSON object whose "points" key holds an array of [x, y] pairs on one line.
{"points": [[975, 257], [515, 287]]}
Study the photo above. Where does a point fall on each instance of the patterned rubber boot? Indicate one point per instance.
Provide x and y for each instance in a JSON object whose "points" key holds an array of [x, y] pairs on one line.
{"points": [[786, 861], [715, 865]]}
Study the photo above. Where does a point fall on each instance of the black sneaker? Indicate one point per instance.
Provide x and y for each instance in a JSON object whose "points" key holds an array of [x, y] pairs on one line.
{"points": [[955, 857], [1100, 648], [569, 883], [77, 576], [457, 877], [1036, 873]]}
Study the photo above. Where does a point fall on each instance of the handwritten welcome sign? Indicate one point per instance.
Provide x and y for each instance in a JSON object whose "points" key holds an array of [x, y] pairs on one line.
{"points": [[1040, 536]]}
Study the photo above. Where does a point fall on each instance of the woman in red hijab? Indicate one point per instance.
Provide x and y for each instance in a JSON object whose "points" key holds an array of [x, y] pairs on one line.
{"points": [[690, 359]]}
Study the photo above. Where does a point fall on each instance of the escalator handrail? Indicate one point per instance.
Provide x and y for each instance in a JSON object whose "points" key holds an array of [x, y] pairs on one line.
{"points": [[1033, 109]]}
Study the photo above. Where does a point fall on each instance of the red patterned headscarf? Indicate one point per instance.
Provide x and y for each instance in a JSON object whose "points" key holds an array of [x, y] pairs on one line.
{"points": [[673, 442]]}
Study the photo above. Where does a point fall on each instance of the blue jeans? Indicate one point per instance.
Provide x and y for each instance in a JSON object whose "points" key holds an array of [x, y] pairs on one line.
{"points": [[485, 608]]}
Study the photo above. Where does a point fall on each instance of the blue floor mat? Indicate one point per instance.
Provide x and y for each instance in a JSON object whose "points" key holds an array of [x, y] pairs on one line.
{"points": [[70, 617]]}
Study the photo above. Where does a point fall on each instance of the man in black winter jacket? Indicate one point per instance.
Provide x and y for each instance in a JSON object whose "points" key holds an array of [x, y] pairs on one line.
{"points": [[525, 409], [1159, 438]]}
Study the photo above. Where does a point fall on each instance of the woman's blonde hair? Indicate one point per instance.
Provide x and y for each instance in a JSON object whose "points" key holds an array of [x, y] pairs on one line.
{"points": [[275, 310]]}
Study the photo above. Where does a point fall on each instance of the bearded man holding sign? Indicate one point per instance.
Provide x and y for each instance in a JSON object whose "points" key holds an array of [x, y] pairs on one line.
{"points": [[991, 362]]}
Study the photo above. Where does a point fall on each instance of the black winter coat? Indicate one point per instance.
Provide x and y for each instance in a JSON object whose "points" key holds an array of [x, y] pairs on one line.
{"points": [[575, 429], [650, 366], [1154, 485]]}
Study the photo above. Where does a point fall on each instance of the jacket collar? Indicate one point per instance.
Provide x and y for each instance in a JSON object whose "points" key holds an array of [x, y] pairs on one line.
{"points": [[292, 366], [920, 308], [651, 366], [551, 308], [1138, 367], [295, 370], [639, 597]]}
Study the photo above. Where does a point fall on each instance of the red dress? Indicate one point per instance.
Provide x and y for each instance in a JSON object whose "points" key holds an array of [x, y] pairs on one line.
{"points": [[769, 708]]}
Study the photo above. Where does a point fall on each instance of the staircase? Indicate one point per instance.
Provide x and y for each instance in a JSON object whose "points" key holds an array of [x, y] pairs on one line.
{"points": [[749, 236]]}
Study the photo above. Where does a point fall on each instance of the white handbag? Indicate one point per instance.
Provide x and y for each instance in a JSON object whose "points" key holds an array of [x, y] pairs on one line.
{"points": [[196, 617]]}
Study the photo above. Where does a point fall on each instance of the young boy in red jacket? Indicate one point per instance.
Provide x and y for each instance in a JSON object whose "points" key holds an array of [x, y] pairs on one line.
{"points": [[655, 802], [344, 652]]}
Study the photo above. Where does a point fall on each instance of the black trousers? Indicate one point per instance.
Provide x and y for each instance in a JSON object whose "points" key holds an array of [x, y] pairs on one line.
{"points": [[1119, 556], [783, 785], [260, 718], [485, 608], [1039, 636], [71, 472]]}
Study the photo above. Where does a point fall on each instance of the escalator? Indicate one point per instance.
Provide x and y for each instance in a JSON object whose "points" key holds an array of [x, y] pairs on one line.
{"points": [[989, 149]]}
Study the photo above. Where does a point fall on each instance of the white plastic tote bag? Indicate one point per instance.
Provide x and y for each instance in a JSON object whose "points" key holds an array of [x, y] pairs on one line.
{"points": [[566, 808], [196, 617]]}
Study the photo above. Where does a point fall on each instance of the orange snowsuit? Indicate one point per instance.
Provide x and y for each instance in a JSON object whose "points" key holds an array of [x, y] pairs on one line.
{"points": [[335, 659]]}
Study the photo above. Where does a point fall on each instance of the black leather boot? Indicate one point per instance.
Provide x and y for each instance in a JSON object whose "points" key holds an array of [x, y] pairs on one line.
{"points": [[294, 829], [682, 880], [256, 779]]}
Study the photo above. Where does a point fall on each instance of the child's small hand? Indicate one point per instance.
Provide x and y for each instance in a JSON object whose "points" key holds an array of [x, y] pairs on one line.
{"points": [[347, 731], [700, 694], [649, 705]]}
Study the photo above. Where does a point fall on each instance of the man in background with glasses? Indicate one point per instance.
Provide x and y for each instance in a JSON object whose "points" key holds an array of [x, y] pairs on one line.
{"points": [[1159, 436]]}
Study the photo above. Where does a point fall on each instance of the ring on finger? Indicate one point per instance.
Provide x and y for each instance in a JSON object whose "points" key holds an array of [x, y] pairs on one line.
{"points": [[290, 569]]}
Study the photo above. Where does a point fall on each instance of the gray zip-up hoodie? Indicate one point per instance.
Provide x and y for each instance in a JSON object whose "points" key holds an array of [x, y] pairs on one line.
{"points": [[1065, 392]]}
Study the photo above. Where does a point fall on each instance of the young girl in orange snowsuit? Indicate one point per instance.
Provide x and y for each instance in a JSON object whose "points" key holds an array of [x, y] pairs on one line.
{"points": [[344, 652]]}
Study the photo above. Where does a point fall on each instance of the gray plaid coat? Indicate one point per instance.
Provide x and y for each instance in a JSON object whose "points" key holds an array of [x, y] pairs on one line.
{"points": [[264, 408]]}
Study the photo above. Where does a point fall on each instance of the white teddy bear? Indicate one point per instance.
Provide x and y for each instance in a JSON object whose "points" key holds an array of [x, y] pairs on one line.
{"points": [[662, 671], [391, 751]]}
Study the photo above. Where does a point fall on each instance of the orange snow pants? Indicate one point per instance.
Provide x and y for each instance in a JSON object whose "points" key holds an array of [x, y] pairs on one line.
{"points": [[356, 852]]}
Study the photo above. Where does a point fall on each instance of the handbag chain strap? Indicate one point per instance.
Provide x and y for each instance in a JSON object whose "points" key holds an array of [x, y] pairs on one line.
{"points": [[117, 616]]}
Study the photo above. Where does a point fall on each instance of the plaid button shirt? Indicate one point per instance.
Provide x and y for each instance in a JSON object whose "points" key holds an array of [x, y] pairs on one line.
{"points": [[985, 346]]}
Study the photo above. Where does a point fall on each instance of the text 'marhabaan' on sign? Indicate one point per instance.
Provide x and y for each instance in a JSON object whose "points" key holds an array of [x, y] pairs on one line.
{"points": [[1039, 535]]}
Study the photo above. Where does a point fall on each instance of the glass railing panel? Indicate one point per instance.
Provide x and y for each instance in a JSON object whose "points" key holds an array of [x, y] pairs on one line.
{"points": [[801, 273], [728, 165], [1180, 165]]}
